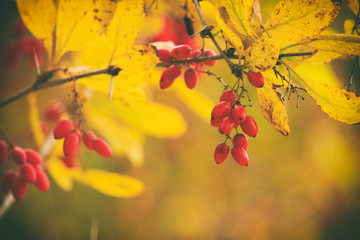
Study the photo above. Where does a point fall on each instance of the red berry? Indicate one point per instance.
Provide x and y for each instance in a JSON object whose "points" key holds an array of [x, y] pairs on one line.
{"points": [[62, 128], [195, 53], [164, 55], [8, 180], [238, 113], [256, 79], [240, 140], [220, 110], [169, 75], [42, 181], [19, 188], [226, 125], [18, 154], [54, 110], [88, 138], [69, 161], [228, 96], [3, 151], [28, 173], [71, 144], [221, 153], [209, 53], [181, 51], [190, 77], [33, 157], [102, 148], [249, 126], [240, 156]]}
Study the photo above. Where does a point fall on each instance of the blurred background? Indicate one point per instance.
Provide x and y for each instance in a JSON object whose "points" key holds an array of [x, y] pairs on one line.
{"points": [[303, 186]]}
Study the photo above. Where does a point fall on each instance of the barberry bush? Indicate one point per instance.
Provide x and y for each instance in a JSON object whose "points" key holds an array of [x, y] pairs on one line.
{"points": [[104, 76]]}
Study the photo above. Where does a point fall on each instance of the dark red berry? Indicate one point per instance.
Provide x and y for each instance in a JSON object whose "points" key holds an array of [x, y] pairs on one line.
{"points": [[238, 113], [240, 156], [42, 182], [228, 96], [226, 125], [102, 147], [54, 110], [240, 140], [62, 128], [249, 126], [88, 139], [8, 180], [190, 77], [3, 151], [220, 110], [209, 53], [181, 51], [169, 75], [164, 55], [256, 79], [71, 144], [221, 153], [18, 155], [28, 173], [33, 157], [19, 188]]}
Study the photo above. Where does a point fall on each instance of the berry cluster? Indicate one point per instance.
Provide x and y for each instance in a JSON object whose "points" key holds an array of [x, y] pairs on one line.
{"points": [[182, 52], [72, 136], [31, 171]]}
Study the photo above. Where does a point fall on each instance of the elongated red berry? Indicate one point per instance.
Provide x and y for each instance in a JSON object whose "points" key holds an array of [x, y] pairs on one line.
{"points": [[228, 96], [226, 125], [88, 139], [28, 173], [70, 161], [220, 110], [164, 55], [256, 79], [190, 77], [18, 155], [209, 53], [169, 75], [62, 128], [42, 182], [238, 113], [181, 51], [221, 153], [71, 144], [8, 180], [240, 140], [33, 157], [102, 147], [19, 188], [249, 126], [240, 156], [54, 110], [3, 151], [195, 53]]}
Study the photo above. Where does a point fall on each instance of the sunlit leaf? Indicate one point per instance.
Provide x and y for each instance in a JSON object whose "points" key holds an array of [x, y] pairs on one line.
{"points": [[273, 108], [78, 23], [262, 55], [353, 5], [34, 120], [297, 60], [109, 183], [301, 20], [40, 18]]}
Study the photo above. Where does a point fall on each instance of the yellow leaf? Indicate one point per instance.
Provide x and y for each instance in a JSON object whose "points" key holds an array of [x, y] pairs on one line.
{"points": [[34, 120], [353, 5], [348, 26], [323, 73], [109, 183], [79, 22], [273, 108], [58, 171], [40, 18], [339, 104], [262, 55], [295, 61], [301, 20]]}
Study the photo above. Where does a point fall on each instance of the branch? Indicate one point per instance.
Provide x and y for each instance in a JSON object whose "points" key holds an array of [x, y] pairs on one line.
{"points": [[43, 81]]}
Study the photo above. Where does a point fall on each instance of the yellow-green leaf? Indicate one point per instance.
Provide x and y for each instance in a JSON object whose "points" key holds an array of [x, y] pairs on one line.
{"points": [[40, 18], [353, 5], [80, 22], [262, 55], [109, 183], [273, 108], [35, 120], [301, 20]]}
